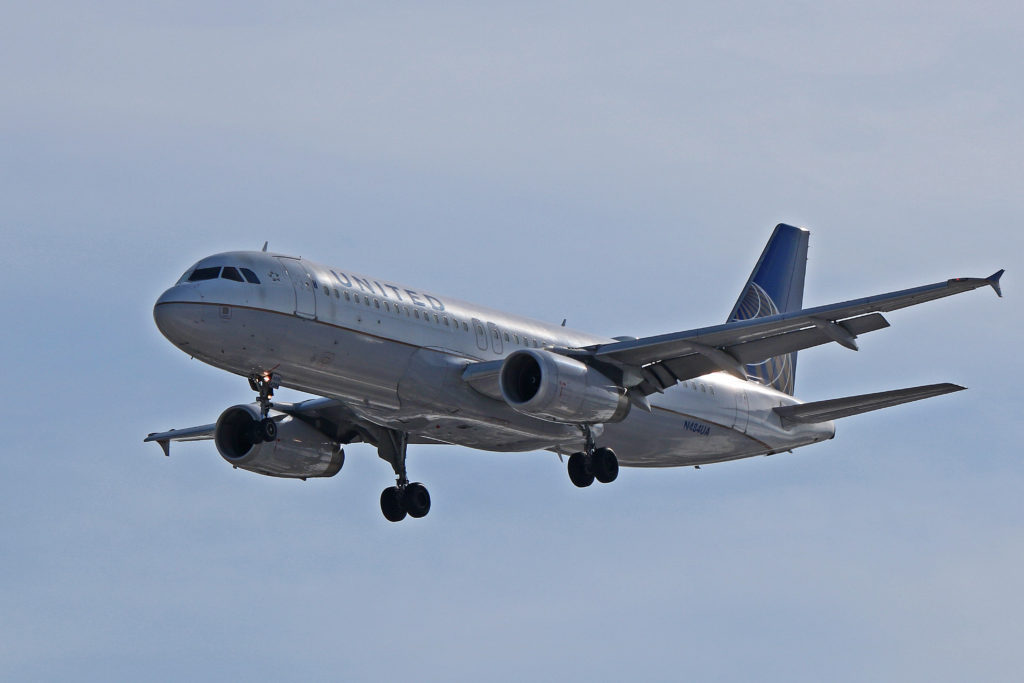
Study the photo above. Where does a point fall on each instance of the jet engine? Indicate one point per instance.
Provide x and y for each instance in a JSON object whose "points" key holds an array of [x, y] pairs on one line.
{"points": [[553, 387], [298, 451]]}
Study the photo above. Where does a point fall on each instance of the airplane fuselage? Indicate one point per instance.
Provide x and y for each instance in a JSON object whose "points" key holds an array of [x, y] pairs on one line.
{"points": [[396, 356]]}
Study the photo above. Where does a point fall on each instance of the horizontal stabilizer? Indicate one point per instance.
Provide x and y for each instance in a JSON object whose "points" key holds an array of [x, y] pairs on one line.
{"points": [[833, 409]]}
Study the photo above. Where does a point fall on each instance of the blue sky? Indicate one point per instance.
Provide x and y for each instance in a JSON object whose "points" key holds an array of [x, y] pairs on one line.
{"points": [[618, 167]]}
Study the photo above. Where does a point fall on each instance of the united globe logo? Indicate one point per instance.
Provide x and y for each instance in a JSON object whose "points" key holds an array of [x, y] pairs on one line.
{"points": [[778, 371]]}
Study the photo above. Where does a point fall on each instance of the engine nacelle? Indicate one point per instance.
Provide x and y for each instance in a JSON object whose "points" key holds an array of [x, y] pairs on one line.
{"points": [[553, 387], [298, 452]]}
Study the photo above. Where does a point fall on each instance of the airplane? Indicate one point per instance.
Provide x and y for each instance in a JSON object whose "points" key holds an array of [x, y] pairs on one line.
{"points": [[394, 366]]}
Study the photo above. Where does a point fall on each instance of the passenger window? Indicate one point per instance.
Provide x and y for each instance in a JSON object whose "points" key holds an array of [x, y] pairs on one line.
{"points": [[517, 338], [417, 313], [347, 297], [250, 276], [465, 327], [387, 307], [231, 273], [506, 336], [436, 319], [204, 274], [327, 290], [337, 295], [366, 300], [446, 321], [376, 302]]}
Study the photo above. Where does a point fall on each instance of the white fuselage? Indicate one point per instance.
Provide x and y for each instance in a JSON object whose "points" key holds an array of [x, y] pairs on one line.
{"points": [[395, 356]]}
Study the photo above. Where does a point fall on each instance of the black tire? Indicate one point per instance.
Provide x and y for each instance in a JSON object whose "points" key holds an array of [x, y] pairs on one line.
{"points": [[391, 504], [268, 429], [579, 470], [605, 465], [416, 500]]}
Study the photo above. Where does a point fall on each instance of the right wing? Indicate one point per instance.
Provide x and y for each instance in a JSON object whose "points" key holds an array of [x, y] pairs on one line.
{"points": [[653, 364], [189, 434]]}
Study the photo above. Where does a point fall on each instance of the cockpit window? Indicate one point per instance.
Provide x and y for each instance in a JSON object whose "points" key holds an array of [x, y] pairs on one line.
{"points": [[204, 274], [250, 276], [230, 273]]}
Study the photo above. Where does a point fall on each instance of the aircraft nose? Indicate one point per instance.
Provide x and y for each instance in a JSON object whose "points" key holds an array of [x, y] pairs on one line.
{"points": [[163, 316], [171, 313]]}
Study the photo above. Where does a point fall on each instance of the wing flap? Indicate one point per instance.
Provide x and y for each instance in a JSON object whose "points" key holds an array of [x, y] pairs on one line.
{"points": [[833, 409], [754, 351], [695, 364]]}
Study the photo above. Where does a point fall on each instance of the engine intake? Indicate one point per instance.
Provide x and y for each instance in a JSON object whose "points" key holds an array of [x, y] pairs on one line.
{"points": [[553, 387], [298, 452]]}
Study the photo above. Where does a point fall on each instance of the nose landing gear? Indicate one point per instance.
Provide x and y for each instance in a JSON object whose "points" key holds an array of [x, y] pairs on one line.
{"points": [[264, 385], [592, 463]]}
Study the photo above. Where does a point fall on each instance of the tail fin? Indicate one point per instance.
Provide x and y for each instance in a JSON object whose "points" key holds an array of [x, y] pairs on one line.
{"points": [[775, 286]]}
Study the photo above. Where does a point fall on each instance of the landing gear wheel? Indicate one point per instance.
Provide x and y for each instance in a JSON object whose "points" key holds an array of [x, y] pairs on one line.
{"points": [[404, 498], [605, 465], [268, 429], [580, 472], [391, 504], [416, 500]]}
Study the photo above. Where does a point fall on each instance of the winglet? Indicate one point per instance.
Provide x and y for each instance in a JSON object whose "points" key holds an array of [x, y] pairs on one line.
{"points": [[165, 444], [993, 280]]}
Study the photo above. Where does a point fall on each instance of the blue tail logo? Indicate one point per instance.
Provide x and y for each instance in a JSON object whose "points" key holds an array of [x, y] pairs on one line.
{"points": [[775, 286]]}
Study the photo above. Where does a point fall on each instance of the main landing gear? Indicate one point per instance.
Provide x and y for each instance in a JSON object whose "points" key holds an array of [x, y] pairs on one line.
{"points": [[592, 463], [405, 497], [264, 385]]}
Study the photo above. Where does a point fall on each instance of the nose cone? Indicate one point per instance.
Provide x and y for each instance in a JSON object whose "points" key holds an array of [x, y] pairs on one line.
{"points": [[162, 315], [174, 313]]}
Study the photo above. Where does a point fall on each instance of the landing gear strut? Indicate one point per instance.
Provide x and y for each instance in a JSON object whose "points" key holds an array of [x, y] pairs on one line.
{"points": [[592, 463], [264, 385], [405, 497]]}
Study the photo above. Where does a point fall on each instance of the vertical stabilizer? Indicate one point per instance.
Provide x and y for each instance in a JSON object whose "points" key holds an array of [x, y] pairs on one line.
{"points": [[775, 286]]}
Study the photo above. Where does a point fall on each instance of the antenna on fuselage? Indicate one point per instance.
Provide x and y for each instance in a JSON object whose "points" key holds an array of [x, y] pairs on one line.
{"points": [[563, 321], [265, 245]]}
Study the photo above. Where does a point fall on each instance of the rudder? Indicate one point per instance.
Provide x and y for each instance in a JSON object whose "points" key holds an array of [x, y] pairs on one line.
{"points": [[775, 286]]}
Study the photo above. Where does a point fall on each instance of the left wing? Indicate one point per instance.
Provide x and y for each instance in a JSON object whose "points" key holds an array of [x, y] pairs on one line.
{"points": [[653, 364]]}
